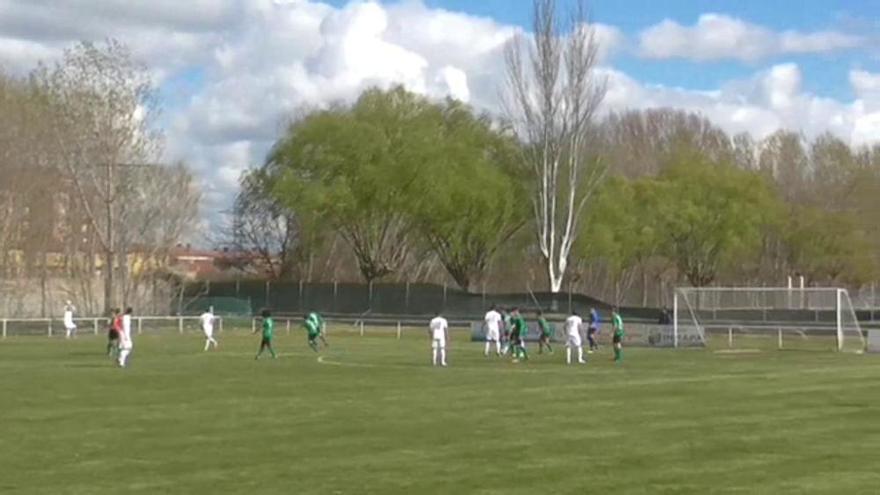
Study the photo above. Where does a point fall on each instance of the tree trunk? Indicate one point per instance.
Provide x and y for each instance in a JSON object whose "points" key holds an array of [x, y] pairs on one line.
{"points": [[554, 277], [109, 248], [108, 280], [43, 276]]}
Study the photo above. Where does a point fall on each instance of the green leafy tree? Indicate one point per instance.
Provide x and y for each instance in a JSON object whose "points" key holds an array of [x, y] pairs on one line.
{"points": [[359, 167], [395, 171], [620, 230], [710, 214], [829, 247], [475, 201]]}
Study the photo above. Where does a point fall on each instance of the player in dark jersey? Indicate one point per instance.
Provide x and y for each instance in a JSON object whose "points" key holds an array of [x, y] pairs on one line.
{"points": [[593, 330], [617, 337], [519, 330], [268, 332], [114, 330], [546, 330]]}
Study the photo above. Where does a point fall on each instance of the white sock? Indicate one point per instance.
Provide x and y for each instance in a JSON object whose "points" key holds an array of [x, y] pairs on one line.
{"points": [[568, 355], [488, 346], [123, 355], [497, 347], [434, 359], [443, 357], [580, 354], [207, 343]]}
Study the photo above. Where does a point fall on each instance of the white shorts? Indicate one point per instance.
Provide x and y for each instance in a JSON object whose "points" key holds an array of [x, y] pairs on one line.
{"points": [[70, 327], [493, 335], [438, 344], [574, 341], [209, 332], [126, 346]]}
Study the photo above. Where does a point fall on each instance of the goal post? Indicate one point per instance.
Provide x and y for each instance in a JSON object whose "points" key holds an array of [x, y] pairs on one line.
{"points": [[821, 318]]}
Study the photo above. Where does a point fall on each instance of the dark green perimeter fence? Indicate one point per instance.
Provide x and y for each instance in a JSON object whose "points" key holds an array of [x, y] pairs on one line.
{"points": [[249, 297], [395, 300]]}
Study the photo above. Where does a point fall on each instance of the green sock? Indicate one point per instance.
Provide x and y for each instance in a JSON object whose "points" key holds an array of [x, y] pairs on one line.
{"points": [[618, 354], [272, 352]]}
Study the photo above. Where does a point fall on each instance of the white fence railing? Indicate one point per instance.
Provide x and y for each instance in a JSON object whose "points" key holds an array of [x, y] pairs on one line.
{"points": [[55, 326]]}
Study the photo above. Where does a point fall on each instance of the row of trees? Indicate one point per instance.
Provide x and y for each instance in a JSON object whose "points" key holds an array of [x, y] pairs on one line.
{"points": [[403, 182], [398, 187], [86, 212]]}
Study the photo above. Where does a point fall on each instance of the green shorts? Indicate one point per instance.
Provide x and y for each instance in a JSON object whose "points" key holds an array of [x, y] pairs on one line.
{"points": [[314, 335]]}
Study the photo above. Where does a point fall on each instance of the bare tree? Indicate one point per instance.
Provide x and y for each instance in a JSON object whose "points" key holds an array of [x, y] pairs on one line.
{"points": [[263, 228], [552, 97], [636, 141], [160, 208], [104, 108], [783, 156]]}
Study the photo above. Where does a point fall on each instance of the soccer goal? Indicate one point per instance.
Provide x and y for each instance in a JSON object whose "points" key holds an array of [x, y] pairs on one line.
{"points": [[758, 318]]}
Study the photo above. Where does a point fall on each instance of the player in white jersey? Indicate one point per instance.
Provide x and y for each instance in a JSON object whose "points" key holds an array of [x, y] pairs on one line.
{"points": [[492, 325], [573, 335], [438, 330], [207, 321], [69, 324], [125, 342]]}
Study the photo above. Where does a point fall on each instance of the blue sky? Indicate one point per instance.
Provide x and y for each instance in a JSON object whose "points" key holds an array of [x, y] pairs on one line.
{"points": [[824, 75]]}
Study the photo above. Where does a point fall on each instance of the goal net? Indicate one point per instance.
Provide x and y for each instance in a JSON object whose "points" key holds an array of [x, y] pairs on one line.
{"points": [[746, 318]]}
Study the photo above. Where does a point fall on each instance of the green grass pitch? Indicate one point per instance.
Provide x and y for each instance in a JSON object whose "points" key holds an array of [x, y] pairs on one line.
{"points": [[372, 417]]}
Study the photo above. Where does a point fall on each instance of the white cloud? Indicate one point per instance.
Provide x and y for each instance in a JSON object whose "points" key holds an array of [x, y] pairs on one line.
{"points": [[718, 36], [770, 100], [19, 55], [865, 84]]}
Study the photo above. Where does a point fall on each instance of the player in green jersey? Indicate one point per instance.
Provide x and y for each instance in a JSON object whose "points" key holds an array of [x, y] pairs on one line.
{"points": [[546, 333], [313, 330], [617, 338], [505, 330], [519, 330], [268, 332], [320, 326]]}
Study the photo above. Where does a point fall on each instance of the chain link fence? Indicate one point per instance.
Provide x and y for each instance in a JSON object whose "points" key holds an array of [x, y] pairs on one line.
{"points": [[379, 299]]}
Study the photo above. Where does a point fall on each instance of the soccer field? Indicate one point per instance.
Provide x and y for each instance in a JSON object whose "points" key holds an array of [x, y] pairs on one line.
{"points": [[372, 417]]}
